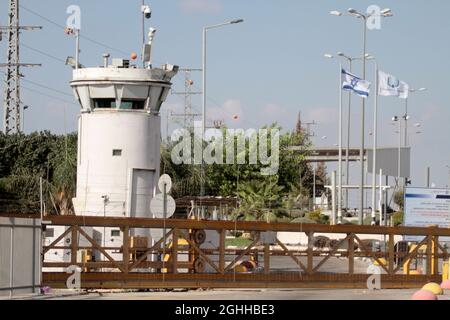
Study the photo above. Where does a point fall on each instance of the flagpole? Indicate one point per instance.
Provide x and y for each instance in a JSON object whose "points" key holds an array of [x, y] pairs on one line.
{"points": [[362, 149], [340, 149], [374, 162]]}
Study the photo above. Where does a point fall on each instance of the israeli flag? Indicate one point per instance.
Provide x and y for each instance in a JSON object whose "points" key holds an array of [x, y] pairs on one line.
{"points": [[350, 82]]}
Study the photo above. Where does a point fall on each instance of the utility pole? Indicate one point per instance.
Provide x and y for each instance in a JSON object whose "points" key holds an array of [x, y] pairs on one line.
{"points": [[188, 116], [12, 114]]}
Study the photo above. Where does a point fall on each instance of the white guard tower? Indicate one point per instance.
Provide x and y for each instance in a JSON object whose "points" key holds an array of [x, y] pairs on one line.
{"points": [[119, 140]]}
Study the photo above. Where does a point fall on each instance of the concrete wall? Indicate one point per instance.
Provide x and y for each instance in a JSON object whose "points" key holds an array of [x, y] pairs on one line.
{"points": [[20, 256]]}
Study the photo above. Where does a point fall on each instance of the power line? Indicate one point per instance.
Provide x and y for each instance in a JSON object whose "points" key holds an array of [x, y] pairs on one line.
{"points": [[64, 27], [45, 87], [43, 53], [49, 96], [48, 88]]}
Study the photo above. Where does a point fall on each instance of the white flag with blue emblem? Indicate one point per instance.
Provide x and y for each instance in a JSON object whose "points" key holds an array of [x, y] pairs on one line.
{"points": [[388, 85], [350, 82]]}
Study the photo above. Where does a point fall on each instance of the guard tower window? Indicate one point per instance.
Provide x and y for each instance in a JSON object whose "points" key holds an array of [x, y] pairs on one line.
{"points": [[104, 103], [132, 104], [115, 233]]}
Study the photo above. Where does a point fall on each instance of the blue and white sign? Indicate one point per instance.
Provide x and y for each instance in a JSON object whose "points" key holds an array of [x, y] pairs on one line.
{"points": [[427, 207]]}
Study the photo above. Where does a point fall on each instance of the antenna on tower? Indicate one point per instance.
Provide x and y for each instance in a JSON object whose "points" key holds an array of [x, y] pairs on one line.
{"points": [[12, 115]]}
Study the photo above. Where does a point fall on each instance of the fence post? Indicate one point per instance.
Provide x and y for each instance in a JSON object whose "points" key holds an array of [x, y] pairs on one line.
{"points": [[74, 245], [391, 254], [436, 255], [175, 250], [126, 248], [222, 251], [266, 258], [310, 252], [429, 254]]}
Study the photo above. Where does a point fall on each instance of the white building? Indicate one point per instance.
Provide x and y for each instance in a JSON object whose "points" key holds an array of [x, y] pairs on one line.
{"points": [[118, 144]]}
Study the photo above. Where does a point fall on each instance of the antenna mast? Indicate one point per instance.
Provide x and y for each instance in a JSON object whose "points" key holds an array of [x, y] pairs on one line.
{"points": [[12, 115]]}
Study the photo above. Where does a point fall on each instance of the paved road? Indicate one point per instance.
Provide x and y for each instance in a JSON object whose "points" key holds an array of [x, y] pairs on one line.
{"points": [[241, 294]]}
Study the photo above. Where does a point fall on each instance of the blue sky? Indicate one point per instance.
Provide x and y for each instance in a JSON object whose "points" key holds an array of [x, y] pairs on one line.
{"points": [[266, 69]]}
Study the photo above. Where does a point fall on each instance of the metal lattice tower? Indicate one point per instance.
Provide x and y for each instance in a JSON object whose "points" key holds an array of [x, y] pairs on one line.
{"points": [[188, 116], [12, 103]]}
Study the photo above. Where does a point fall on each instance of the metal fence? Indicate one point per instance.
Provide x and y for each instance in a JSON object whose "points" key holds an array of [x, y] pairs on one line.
{"points": [[20, 256]]}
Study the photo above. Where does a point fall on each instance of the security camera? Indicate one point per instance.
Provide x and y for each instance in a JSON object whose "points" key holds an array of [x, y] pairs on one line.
{"points": [[146, 11], [151, 33]]}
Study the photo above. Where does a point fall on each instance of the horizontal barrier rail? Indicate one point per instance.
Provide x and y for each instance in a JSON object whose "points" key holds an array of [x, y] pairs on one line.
{"points": [[274, 264]]}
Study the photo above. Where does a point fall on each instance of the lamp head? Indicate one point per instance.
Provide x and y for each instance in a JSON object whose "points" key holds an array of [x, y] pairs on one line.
{"points": [[336, 13]]}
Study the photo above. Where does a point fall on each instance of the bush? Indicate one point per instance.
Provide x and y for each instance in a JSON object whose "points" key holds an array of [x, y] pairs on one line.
{"points": [[397, 219]]}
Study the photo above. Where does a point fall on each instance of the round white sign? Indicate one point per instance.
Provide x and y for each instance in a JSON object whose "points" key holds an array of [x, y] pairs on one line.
{"points": [[157, 206], [165, 180]]}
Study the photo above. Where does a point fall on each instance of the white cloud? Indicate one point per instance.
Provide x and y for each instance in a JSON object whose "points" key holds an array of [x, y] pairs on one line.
{"points": [[202, 6], [322, 115]]}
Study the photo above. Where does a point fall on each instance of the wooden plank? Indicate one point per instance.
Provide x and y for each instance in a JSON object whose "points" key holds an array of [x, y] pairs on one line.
{"points": [[412, 254], [240, 225], [391, 254], [330, 254], [199, 251], [115, 280], [266, 258], [310, 257], [126, 249], [222, 235], [74, 245], [247, 250], [53, 244], [99, 248], [435, 255], [429, 258], [175, 251], [297, 261], [149, 251], [370, 253]]}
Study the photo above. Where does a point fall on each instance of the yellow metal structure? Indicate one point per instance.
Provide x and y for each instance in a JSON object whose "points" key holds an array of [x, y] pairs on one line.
{"points": [[422, 250], [445, 271]]}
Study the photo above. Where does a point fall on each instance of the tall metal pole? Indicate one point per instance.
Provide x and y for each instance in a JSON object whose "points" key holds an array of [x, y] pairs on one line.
{"points": [[202, 174], [314, 186], [143, 34], [77, 49], [347, 149], [406, 123], [374, 161], [363, 107], [339, 198], [333, 197], [399, 151]]}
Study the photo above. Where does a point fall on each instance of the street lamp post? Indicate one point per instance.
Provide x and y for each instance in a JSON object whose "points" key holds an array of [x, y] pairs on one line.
{"points": [[406, 113], [205, 30], [363, 17]]}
